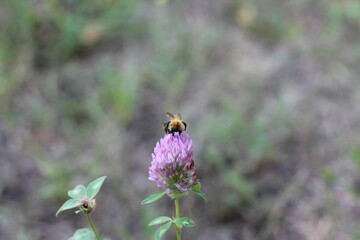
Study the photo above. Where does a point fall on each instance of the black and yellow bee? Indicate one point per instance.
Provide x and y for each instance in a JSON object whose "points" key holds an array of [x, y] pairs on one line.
{"points": [[175, 124]]}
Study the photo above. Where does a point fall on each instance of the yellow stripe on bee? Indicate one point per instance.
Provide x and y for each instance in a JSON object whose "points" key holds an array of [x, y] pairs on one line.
{"points": [[176, 122]]}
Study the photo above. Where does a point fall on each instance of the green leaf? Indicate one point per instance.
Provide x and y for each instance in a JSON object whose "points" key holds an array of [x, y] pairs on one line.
{"points": [[83, 234], [197, 187], [159, 220], [78, 192], [200, 193], [71, 203], [153, 198], [94, 187], [184, 222], [81, 210], [162, 230]]}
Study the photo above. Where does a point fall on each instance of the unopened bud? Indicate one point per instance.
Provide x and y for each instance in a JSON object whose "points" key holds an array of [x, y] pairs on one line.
{"points": [[88, 204]]}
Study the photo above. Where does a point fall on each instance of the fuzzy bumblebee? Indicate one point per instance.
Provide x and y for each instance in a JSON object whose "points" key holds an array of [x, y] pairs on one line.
{"points": [[175, 124]]}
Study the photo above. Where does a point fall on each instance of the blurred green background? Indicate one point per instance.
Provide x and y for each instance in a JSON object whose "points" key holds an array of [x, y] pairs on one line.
{"points": [[269, 90]]}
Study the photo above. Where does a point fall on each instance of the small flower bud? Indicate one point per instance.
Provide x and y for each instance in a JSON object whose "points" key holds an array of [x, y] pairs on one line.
{"points": [[88, 204]]}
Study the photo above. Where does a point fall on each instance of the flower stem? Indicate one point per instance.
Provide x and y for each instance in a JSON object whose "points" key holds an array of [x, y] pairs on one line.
{"points": [[177, 215], [93, 227]]}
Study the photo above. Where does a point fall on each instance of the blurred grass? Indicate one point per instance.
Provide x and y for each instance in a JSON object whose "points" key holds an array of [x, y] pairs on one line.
{"points": [[55, 31]]}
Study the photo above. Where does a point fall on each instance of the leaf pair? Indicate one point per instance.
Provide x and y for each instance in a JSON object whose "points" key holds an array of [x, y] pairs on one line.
{"points": [[157, 196], [90, 191], [80, 192], [180, 222]]}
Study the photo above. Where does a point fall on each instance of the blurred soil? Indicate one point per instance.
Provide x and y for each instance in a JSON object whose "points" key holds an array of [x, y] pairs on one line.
{"points": [[270, 93]]}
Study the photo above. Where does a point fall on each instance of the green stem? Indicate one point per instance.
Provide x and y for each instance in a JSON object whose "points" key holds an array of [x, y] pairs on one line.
{"points": [[177, 215], [93, 227]]}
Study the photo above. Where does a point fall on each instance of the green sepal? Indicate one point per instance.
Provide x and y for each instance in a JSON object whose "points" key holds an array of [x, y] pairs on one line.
{"points": [[200, 193], [94, 187], [162, 230], [184, 222], [78, 192], [159, 220], [153, 198], [71, 203], [175, 195], [197, 187]]}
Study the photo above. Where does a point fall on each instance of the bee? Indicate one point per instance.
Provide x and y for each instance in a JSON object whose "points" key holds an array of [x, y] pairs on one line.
{"points": [[175, 124]]}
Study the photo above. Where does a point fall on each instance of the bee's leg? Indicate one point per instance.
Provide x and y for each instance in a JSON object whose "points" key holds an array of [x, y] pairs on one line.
{"points": [[184, 125], [166, 127]]}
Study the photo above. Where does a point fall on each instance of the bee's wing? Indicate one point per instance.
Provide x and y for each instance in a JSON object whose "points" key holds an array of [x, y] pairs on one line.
{"points": [[170, 115], [178, 116]]}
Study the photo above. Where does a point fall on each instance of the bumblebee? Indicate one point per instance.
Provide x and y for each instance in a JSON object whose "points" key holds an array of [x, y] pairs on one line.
{"points": [[175, 124]]}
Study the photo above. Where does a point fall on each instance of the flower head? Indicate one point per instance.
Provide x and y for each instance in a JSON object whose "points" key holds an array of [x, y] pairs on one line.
{"points": [[172, 166]]}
